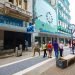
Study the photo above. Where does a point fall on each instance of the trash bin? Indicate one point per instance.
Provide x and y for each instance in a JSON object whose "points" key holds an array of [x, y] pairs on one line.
{"points": [[18, 51]]}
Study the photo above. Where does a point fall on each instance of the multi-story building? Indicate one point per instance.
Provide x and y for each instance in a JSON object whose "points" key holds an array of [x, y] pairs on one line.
{"points": [[15, 15], [51, 20], [63, 13], [58, 14], [63, 19]]}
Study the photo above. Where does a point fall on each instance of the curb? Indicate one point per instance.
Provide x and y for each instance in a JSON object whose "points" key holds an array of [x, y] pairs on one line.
{"points": [[6, 56]]}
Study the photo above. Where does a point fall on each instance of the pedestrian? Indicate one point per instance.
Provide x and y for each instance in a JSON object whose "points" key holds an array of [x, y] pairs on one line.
{"points": [[49, 47], [70, 45], [20, 46], [36, 48], [44, 48], [61, 45], [26, 45], [73, 46], [55, 45]]}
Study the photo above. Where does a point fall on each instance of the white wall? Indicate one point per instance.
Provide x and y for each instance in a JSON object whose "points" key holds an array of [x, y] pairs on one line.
{"points": [[2, 1], [30, 7]]}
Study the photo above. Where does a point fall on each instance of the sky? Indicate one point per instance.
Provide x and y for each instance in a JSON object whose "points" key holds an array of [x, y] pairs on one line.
{"points": [[72, 11]]}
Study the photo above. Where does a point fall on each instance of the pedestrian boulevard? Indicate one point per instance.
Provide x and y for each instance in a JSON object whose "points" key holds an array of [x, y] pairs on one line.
{"points": [[16, 67], [25, 63]]}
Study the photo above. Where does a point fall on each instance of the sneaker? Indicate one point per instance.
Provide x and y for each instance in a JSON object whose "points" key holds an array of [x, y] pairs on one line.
{"points": [[43, 56], [50, 57]]}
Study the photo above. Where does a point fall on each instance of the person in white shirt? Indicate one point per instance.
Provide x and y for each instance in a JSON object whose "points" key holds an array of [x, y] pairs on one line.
{"points": [[26, 45], [36, 48], [61, 45]]}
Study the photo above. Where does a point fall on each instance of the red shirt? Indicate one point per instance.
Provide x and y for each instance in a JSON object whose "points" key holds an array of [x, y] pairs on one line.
{"points": [[49, 46]]}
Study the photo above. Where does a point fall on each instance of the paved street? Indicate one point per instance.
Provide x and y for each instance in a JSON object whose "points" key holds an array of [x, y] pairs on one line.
{"points": [[11, 69], [18, 66], [53, 70], [58, 71]]}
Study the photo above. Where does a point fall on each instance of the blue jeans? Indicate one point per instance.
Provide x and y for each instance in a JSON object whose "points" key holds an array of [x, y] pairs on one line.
{"points": [[56, 53]]}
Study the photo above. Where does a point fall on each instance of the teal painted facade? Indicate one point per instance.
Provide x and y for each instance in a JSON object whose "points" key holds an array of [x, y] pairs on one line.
{"points": [[47, 22]]}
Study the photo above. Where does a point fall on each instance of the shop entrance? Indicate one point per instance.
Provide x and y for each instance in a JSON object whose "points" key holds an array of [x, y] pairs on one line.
{"points": [[13, 39]]}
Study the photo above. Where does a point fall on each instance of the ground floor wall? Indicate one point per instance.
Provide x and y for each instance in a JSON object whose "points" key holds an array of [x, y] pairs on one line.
{"points": [[9, 39], [1, 39], [41, 37]]}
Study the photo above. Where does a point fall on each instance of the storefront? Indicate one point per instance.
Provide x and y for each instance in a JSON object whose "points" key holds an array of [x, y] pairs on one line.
{"points": [[46, 24], [13, 39], [13, 32]]}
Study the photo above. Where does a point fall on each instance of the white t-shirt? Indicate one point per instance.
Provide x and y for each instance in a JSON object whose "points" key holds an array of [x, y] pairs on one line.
{"points": [[61, 46]]}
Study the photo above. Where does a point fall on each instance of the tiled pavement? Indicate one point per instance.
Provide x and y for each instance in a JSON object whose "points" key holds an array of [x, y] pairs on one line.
{"points": [[54, 70], [12, 57]]}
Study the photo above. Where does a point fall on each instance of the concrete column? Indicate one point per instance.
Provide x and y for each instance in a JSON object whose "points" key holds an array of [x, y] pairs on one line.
{"points": [[51, 39], [32, 39], [41, 40], [22, 4], [14, 2], [58, 39], [1, 39], [45, 39], [64, 42]]}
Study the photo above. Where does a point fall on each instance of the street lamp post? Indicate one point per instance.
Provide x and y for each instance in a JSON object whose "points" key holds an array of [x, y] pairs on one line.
{"points": [[35, 18]]}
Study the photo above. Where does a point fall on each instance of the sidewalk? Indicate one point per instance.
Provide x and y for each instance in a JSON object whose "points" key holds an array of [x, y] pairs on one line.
{"points": [[11, 58], [58, 71]]}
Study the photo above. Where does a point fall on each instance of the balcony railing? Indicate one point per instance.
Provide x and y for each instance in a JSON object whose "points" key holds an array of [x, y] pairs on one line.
{"points": [[1, 5], [7, 6], [14, 7]]}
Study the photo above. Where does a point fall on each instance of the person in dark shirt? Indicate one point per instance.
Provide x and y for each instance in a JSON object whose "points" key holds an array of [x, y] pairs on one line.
{"points": [[55, 46], [73, 46]]}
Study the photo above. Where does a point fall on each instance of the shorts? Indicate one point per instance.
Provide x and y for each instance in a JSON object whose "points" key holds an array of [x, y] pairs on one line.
{"points": [[49, 49]]}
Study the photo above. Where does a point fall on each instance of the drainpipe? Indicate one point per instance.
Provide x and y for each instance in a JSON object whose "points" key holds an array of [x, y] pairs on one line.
{"points": [[34, 14], [33, 21]]}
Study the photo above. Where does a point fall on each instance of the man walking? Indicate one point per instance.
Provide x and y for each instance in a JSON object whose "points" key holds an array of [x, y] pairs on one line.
{"points": [[44, 48], [36, 48], [55, 45]]}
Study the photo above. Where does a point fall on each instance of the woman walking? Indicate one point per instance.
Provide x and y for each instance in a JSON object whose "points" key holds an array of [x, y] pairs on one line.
{"points": [[61, 45], [44, 48], [49, 47]]}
